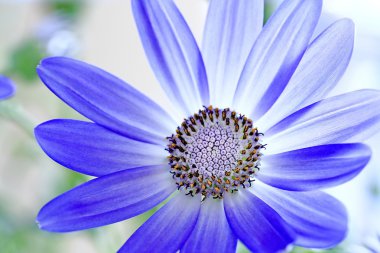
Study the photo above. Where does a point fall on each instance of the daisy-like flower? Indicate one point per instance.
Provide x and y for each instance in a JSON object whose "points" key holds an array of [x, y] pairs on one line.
{"points": [[7, 87], [258, 142]]}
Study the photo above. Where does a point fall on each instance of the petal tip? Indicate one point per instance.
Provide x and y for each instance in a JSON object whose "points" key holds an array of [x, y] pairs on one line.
{"points": [[43, 62], [41, 221], [7, 87], [346, 25], [39, 224], [40, 133], [38, 130], [44, 225], [367, 154], [50, 63]]}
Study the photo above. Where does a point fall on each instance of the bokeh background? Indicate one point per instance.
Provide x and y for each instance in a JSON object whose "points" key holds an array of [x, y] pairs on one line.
{"points": [[102, 32]]}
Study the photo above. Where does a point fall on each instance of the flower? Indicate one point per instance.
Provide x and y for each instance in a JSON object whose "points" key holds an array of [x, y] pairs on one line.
{"points": [[253, 178], [7, 87]]}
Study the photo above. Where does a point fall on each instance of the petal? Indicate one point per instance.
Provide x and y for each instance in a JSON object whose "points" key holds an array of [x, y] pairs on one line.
{"points": [[7, 88], [108, 199], [212, 233], [255, 223], [91, 149], [231, 29], [315, 167], [319, 220], [106, 99], [173, 53], [320, 69], [167, 229], [275, 55], [351, 117]]}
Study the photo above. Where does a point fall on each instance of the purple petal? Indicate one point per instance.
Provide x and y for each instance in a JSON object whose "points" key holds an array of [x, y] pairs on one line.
{"points": [[255, 223], [167, 229], [106, 99], [319, 71], [231, 29], [212, 233], [351, 117], [173, 53], [108, 199], [275, 55], [319, 220], [315, 167], [7, 88], [91, 149]]}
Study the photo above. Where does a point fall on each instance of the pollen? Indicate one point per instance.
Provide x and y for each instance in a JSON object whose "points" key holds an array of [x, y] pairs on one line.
{"points": [[214, 152]]}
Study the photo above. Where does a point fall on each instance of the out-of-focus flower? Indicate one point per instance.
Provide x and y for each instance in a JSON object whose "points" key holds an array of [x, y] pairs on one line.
{"points": [[55, 32], [7, 87], [223, 188]]}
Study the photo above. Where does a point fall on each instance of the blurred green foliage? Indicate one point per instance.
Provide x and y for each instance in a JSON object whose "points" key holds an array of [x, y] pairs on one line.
{"points": [[69, 179], [69, 8], [302, 250], [16, 237], [375, 189], [268, 10], [26, 56], [24, 60]]}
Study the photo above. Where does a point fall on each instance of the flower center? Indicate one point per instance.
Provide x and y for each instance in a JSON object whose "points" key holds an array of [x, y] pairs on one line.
{"points": [[214, 152]]}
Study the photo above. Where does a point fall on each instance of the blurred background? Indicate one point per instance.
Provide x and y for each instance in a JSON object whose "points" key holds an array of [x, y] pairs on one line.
{"points": [[103, 33]]}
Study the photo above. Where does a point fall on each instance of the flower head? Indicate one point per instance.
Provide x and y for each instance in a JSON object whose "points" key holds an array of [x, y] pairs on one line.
{"points": [[7, 87], [258, 141]]}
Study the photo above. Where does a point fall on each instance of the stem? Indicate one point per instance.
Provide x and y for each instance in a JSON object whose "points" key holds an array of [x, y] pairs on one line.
{"points": [[17, 114]]}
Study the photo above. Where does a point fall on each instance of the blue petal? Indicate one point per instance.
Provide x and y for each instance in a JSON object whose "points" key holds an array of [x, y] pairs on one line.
{"points": [[231, 29], [275, 56], [7, 87], [319, 220], [167, 229], [91, 149], [108, 199], [315, 167], [173, 53], [351, 117], [320, 69], [106, 99], [255, 223], [212, 233]]}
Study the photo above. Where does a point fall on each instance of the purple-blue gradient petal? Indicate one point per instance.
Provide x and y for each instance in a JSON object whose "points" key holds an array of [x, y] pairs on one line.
{"points": [[93, 150], [173, 53], [7, 88], [351, 117], [230, 31], [167, 230], [105, 99], [320, 69], [315, 167], [108, 199], [256, 224], [212, 233], [319, 220], [275, 56]]}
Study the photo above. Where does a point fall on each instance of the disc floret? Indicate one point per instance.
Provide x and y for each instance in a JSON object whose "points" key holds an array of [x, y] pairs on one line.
{"points": [[214, 152]]}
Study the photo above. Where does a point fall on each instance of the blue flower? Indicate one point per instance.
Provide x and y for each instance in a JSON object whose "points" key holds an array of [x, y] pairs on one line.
{"points": [[7, 87], [254, 178]]}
